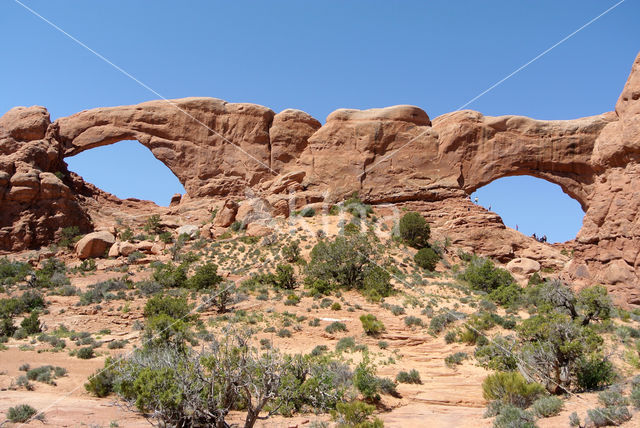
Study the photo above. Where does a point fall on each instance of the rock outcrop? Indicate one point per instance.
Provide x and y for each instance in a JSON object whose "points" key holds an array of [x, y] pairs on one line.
{"points": [[394, 155]]}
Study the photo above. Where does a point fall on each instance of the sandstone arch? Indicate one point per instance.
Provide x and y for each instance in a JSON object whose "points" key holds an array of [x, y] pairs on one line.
{"points": [[217, 149]]}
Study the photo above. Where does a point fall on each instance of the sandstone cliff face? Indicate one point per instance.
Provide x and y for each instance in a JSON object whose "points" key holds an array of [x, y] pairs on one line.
{"points": [[392, 155]]}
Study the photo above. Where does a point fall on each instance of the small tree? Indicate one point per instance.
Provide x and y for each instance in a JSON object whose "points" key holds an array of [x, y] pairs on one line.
{"points": [[371, 325], [285, 277], [414, 230], [205, 277], [426, 258]]}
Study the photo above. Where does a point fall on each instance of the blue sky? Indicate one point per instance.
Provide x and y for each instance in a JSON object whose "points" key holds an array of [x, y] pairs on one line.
{"points": [[319, 57]]}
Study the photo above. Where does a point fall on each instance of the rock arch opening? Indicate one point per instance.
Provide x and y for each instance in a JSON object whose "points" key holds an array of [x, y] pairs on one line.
{"points": [[127, 169], [532, 205]]}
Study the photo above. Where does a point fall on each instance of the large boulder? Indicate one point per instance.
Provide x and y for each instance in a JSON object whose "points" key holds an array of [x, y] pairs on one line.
{"points": [[94, 245], [523, 266], [227, 214], [188, 229]]}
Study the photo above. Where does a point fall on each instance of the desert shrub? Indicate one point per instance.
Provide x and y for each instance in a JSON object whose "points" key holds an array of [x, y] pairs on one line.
{"points": [[117, 344], [52, 274], [100, 291], [148, 288], [426, 258], [612, 397], [483, 275], [439, 322], [169, 275], [376, 283], [175, 385], [335, 327], [40, 374], [511, 417], [292, 300], [319, 350], [511, 388], [205, 277], [594, 371], [371, 325], [13, 272], [152, 224], [7, 328], [355, 414], [634, 397], [345, 262], [346, 343], [307, 212], [498, 354], [284, 333], [101, 382], [336, 306], [85, 353], [21, 413], [356, 207], [414, 230], [508, 296], [412, 376], [31, 324], [455, 359], [236, 226], [174, 307], [545, 407], [608, 416], [412, 321], [341, 262], [365, 380], [285, 277], [450, 337], [69, 236], [291, 252], [396, 310]]}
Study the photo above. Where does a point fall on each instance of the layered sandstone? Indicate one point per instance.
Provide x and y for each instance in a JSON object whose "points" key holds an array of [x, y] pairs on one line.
{"points": [[394, 155]]}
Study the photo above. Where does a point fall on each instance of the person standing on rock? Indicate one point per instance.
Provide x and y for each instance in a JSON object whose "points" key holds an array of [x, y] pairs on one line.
{"points": [[476, 200]]}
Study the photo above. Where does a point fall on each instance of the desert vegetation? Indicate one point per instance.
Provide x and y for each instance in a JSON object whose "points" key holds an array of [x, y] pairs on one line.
{"points": [[332, 326]]}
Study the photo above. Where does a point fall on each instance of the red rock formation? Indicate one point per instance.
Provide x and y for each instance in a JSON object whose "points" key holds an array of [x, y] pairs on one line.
{"points": [[390, 155]]}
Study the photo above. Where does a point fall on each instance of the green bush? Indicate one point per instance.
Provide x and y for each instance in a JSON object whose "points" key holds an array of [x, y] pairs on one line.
{"points": [[439, 322], [307, 212], [101, 382], [31, 324], [376, 284], [152, 224], [608, 416], [612, 397], [204, 277], [285, 277], [514, 417], [455, 359], [346, 262], [291, 252], [371, 325], [174, 307], [412, 321], [21, 413], [426, 258], [594, 371], [335, 327], [412, 376], [355, 414], [85, 353], [511, 388], [169, 275], [545, 407], [483, 275], [13, 272], [414, 230]]}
